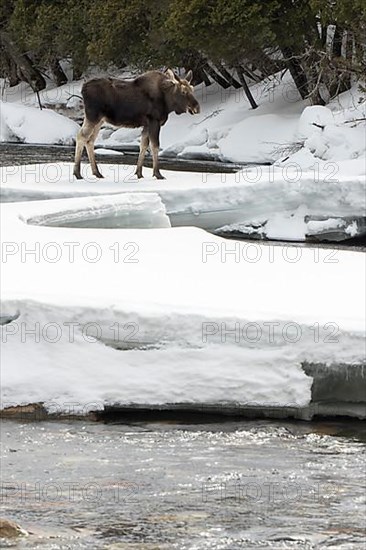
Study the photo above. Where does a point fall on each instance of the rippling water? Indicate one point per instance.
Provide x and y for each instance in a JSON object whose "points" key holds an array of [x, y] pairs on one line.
{"points": [[165, 486]]}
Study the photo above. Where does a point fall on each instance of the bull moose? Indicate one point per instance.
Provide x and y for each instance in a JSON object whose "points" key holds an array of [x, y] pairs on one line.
{"points": [[145, 101]]}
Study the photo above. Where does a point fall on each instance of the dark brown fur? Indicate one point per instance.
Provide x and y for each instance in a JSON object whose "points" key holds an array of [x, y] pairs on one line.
{"points": [[145, 101]]}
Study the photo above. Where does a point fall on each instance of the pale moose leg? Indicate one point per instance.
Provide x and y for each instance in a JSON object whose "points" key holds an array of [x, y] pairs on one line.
{"points": [[82, 138], [154, 131], [144, 144], [90, 150]]}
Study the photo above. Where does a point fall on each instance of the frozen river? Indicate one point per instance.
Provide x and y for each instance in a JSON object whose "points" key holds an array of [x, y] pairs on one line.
{"points": [[231, 485]]}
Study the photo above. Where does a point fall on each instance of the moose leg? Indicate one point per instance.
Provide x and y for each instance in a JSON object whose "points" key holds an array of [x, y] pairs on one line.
{"points": [[80, 144], [144, 144], [90, 150], [154, 131], [81, 139]]}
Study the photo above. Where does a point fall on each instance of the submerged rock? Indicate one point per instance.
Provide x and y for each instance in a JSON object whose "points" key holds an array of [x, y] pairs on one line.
{"points": [[10, 529]]}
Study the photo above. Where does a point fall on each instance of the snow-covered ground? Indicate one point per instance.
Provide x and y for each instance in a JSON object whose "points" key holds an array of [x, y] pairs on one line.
{"points": [[105, 316], [104, 303]]}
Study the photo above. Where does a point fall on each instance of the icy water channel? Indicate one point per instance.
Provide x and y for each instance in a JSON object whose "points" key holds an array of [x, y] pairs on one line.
{"points": [[228, 485], [19, 153]]}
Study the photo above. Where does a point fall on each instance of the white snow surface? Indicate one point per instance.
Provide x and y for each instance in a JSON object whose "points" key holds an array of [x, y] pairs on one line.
{"points": [[31, 125], [259, 138], [103, 151], [192, 312]]}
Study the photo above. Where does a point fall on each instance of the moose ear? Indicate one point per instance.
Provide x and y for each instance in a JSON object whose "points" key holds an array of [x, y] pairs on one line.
{"points": [[170, 74], [189, 76]]}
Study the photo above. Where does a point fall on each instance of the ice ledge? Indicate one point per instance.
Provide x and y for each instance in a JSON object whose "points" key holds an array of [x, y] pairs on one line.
{"points": [[185, 412], [246, 201], [125, 210]]}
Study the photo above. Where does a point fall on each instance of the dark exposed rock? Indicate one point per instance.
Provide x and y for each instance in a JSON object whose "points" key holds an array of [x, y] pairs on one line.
{"points": [[10, 529]]}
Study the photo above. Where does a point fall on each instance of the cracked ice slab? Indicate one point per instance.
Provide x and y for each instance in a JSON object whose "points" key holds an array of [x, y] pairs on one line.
{"points": [[125, 210]]}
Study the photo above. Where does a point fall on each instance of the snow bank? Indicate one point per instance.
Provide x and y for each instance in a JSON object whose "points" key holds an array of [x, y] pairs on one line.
{"points": [[314, 119], [94, 372], [334, 133], [338, 143], [168, 316], [259, 138], [329, 139], [31, 125]]}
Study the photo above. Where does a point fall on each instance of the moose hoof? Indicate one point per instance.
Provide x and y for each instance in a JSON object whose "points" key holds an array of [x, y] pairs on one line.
{"points": [[78, 175], [159, 176], [139, 175], [98, 175]]}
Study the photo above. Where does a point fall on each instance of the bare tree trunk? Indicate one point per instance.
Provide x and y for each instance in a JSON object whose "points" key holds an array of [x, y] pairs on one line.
{"points": [[215, 75], [341, 79], [323, 33], [249, 72], [225, 73], [13, 74], [204, 77], [58, 73], [10, 69], [246, 88], [268, 66], [297, 72], [199, 76], [350, 48], [30, 73], [77, 73], [193, 61], [337, 41]]}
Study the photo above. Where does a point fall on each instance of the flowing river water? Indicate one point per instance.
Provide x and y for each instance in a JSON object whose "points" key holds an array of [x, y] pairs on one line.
{"points": [[142, 485], [227, 485]]}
